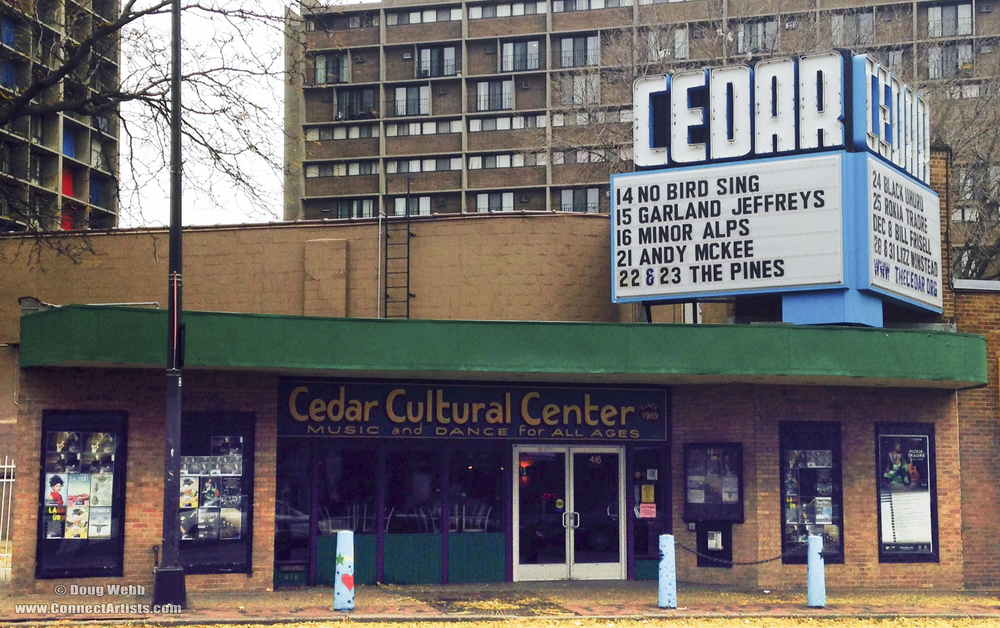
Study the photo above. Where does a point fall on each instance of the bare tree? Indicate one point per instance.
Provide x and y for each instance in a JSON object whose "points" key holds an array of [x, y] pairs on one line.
{"points": [[111, 71]]}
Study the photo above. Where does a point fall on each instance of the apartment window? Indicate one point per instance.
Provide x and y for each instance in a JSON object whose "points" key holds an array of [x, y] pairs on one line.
{"points": [[8, 31], [8, 74], [506, 160], [35, 167], [412, 101], [892, 59], [581, 89], [356, 103], [348, 169], [436, 164], [437, 61], [504, 123], [423, 128], [494, 95], [580, 200], [355, 208], [559, 6], [331, 68], [517, 56], [578, 156], [366, 20], [506, 10], [412, 205], [327, 133], [668, 43], [759, 36], [495, 202], [949, 61], [853, 29], [428, 16], [6, 152], [952, 20], [575, 52]]}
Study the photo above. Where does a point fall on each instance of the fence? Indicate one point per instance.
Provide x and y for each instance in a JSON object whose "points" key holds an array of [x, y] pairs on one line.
{"points": [[6, 508]]}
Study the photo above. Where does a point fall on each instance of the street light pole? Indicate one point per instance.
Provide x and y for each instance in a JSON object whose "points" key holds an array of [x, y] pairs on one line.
{"points": [[169, 585]]}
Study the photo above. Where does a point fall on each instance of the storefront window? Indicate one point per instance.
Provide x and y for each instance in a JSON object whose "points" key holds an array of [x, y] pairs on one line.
{"points": [[811, 489], [346, 488], [475, 491], [906, 493], [82, 495], [413, 491], [216, 490], [291, 510]]}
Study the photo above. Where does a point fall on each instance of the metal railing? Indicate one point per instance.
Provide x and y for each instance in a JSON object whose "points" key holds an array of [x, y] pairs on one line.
{"points": [[6, 510]]}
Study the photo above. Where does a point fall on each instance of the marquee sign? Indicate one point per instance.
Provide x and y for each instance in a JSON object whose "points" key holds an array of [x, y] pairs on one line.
{"points": [[791, 177]]}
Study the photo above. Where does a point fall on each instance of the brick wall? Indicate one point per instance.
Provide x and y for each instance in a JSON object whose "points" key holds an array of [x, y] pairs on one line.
{"points": [[142, 395], [751, 415]]}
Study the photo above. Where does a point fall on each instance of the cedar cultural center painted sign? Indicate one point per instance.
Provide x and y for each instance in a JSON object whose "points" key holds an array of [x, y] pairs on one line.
{"points": [[412, 410], [796, 174]]}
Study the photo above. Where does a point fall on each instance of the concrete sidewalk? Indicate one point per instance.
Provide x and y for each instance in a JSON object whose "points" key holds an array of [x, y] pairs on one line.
{"points": [[551, 600]]}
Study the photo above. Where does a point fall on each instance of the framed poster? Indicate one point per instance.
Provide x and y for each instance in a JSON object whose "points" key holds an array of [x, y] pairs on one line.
{"points": [[713, 478], [811, 489], [81, 501], [907, 496], [216, 491]]}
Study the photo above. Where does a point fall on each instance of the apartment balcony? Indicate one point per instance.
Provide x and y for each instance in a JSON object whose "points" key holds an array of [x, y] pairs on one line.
{"points": [[342, 149]]}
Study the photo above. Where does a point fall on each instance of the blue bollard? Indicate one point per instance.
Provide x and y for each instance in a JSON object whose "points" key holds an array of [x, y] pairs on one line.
{"points": [[815, 574], [668, 572], [343, 587]]}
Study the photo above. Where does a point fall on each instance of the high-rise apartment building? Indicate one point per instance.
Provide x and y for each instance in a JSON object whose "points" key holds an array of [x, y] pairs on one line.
{"points": [[463, 107], [58, 167]]}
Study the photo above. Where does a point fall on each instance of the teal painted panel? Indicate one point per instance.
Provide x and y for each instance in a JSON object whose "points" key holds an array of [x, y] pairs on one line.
{"points": [[647, 569], [365, 548], [412, 559], [477, 557]]}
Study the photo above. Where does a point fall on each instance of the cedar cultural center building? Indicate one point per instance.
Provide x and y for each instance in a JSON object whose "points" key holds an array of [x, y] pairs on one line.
{"points": [[545, 412]]}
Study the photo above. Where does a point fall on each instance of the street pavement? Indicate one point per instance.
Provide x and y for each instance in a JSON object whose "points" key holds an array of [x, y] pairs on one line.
{"points": [[549, 600]]}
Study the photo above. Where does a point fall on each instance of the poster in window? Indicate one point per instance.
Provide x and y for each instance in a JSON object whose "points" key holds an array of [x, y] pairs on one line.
{"points": [[60, 442], [907, 521], [100, 523], [189, 525], [231, 493], [227, 445], [208, 523], [811, 499], [190, 490], [77, 522], [78, 489], [56, 486], [210, 495], [101, 485], [100, 443], [230, 523], [55, 522]]}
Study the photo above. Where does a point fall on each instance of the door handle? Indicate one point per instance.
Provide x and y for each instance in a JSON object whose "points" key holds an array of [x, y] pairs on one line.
{"points": [[565, 520], [576, 520]]}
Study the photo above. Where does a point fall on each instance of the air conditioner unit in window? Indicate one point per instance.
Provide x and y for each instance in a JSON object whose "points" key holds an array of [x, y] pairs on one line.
{"points": [[523, 199], [441, 91], [441, 202], [327, 95], [986, 48], [407, 55], [985, 8], [491, 50], [790, 25], [360, 58], [525, 85]]}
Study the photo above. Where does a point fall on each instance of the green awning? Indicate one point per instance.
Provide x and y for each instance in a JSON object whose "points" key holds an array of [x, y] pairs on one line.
{"points": [[92, 336]]}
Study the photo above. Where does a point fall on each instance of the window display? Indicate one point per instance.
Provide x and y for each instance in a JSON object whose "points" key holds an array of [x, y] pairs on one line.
{"points": [[215, 487], [714, 482], [906, 493], [82, 495], [812, 501]]}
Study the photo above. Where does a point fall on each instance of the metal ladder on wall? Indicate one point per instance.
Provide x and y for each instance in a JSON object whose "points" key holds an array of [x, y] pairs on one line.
{"points": [[397, 264]]}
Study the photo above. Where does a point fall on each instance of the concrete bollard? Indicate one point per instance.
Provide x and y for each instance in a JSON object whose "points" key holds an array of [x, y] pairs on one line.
{"points": [[668, 572], [343, 587], [816, 573]]}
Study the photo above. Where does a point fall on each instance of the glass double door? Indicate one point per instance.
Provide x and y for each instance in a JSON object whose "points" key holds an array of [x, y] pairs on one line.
{"points": [[569, 513]]}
